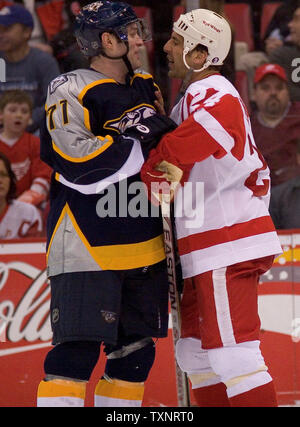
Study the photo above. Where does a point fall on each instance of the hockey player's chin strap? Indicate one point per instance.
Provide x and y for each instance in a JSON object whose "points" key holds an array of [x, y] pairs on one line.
{"points": [[127, 62], [128, 65], [187, 78], [205, 65], [124, 57]]}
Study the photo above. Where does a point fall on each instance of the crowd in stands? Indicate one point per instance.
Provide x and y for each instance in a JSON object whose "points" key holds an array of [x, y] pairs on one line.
{"points": [[275, 122], [37, 44], [17, 219]]}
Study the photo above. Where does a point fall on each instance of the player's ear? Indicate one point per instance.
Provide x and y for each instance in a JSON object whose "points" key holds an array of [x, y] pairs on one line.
{"points": [[198, 57], [107, 40]]}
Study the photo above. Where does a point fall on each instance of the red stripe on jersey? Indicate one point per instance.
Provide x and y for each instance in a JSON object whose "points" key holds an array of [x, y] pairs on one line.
{"points": [[198, 99], [228, 111], [209, 238], [189, 143]]}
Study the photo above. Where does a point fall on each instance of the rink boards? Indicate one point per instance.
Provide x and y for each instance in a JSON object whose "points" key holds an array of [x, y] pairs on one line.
{"points": [[25, 334]]}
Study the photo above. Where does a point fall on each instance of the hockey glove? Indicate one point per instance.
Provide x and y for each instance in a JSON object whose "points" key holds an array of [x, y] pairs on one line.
{"points": [[150, 130], [162, 178]]}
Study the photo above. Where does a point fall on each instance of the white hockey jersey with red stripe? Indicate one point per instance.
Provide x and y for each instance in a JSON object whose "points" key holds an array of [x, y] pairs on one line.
{"points": [[221, 213]]}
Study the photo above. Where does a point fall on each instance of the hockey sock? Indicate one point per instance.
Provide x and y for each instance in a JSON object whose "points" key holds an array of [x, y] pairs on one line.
{"points": [[113, 392], [263, 396], [211, 396], [61, 392]]}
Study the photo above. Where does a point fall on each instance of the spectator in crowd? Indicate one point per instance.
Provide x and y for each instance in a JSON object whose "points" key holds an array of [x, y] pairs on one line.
{"points": [[277, 34], [49, 18], [27, 68], [17, 219], [276, 122], [285, 201], [23, 148], [288, 56], [52, 31]]}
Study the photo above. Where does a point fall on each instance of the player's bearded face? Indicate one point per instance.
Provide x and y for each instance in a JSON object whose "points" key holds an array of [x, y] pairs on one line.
{"points": [[174, 51]]}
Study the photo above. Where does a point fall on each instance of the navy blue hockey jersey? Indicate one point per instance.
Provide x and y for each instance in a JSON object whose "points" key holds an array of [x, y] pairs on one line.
{"points": [[100, 217]]}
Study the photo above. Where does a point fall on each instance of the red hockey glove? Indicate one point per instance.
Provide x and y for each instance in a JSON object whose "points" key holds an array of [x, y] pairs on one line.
{"points": [[162, 178]]}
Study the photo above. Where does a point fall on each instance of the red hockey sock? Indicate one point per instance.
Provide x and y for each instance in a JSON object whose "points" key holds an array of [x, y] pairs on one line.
{"points": [[263, 396], [211, 396]]}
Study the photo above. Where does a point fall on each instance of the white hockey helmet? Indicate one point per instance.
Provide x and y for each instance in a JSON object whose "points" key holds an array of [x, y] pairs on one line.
{"points": [[203, 26]]}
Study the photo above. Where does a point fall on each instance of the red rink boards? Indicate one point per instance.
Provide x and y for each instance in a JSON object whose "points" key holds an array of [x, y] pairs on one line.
{"points": [[25, 334]]}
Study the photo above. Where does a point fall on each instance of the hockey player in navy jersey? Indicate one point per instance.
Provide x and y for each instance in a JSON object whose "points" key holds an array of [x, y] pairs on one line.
{"points": [[106, 267], [224, 250]]}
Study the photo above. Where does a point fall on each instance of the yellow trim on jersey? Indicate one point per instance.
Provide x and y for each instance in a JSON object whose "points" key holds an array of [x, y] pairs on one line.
{"points": [[89, 156], [86, 114], [117, 257], [90, 85], [86, 118], [63, 212], [106, 124], [143, 76], [80, 234], [67, 210], [133, 255]]}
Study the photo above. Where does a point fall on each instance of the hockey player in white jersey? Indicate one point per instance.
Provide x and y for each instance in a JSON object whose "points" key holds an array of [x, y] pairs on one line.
{"points": [[226, 238]]}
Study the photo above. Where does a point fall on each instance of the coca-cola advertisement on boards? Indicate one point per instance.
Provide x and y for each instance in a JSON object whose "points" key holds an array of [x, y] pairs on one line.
{"points": [[25, 332]]}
